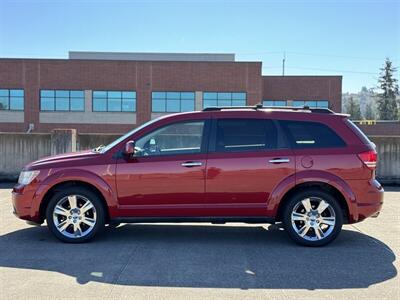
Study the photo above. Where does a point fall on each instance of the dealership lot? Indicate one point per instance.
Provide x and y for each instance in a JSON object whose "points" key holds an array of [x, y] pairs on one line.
{"points": [[199, 261]]}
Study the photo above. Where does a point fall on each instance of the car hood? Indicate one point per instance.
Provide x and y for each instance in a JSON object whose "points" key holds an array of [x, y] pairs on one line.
{"points": [[60, 159]]}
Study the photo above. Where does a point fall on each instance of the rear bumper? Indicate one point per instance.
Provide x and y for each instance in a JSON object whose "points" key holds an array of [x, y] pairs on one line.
{"points": [[369, 210], [370, 200]]}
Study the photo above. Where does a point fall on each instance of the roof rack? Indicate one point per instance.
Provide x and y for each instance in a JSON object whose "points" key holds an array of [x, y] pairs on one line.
{"points": [[260, 106]]}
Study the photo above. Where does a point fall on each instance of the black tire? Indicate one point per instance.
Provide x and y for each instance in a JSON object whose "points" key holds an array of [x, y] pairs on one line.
{"points": [[80, 192], [314, 195]]}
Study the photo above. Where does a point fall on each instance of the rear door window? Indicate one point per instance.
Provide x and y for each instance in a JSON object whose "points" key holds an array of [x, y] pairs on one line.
{"points": [[238, 135], [311, 135]]}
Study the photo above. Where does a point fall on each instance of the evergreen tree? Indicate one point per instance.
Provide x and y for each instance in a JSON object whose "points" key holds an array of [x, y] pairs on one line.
{"points": [[353, 109], [369, 112], [386, 102]]}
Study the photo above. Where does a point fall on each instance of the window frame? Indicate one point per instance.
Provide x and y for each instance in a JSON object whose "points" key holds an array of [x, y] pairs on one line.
{"points": [[317, 101], [165, 99], [204, 142], [107, 100], [54, 97], [273, 103], [224, 92], [295, 146], [9, 99], [213, 136]]}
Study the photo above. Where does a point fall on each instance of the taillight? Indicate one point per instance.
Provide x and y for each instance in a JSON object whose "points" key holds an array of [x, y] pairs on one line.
{"points": [[369, 158]]}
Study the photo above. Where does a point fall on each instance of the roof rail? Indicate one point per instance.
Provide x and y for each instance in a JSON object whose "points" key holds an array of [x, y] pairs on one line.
{"points": [[215, 108], [260, 106]]}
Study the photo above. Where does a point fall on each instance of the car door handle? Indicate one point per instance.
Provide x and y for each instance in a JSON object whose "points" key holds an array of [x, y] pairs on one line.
{"points": [[191, 164], [279, 160]]}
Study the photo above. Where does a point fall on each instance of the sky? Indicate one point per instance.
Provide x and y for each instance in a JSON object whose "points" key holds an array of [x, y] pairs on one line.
{"points": [[349, 38]]}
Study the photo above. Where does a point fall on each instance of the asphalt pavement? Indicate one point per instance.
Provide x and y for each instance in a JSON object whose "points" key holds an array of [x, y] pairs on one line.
{"points": [[200, 261]]}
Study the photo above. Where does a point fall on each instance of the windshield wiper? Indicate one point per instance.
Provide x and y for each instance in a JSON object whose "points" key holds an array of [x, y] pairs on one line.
{"points": [[98, 149]]}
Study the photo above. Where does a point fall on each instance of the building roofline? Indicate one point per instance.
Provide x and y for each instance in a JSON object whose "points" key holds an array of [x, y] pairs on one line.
{"points": [[151, 56]]}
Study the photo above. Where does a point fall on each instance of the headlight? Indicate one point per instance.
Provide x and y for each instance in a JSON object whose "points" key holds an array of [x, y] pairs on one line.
{"points": [[26, 177]]}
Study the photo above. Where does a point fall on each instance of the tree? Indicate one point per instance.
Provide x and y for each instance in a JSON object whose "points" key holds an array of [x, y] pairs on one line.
{"points": [[386, 102], [353, 109], [369, 112]]}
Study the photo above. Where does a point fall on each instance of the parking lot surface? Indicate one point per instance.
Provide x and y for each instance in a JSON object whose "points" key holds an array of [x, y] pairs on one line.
{"points": [[200, 261]]}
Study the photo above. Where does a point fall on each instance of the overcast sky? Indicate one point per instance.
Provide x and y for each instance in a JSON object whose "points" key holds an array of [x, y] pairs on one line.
{"points": [[349, 38]]}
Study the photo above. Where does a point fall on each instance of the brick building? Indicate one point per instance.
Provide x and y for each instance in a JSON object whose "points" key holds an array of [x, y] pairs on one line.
{"points": [[114, 92]]}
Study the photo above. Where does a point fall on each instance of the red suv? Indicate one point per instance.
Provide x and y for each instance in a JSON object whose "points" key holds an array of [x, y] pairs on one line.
{"points": [[311, 169]]}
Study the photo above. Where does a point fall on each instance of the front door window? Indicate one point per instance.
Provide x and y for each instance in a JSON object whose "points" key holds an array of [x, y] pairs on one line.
{"points": [[174, 139]]}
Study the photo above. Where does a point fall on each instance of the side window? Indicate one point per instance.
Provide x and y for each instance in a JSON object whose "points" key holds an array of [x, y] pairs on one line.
{"points": [[237, 135], [312, 135], [174, 139]]}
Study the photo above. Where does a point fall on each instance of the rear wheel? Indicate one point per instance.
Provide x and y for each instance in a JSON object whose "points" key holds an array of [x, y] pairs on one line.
{"points": [[75, 215], [313, 218]]}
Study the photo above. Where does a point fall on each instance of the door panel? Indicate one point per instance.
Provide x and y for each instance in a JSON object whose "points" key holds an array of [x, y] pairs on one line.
{"points": [[160, 181], [248, 159], [246, 178], [167, 173]]}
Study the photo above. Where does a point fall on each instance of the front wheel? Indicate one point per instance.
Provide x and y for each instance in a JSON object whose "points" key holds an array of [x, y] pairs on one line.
{"points": [[313, 218], [75, 215]]}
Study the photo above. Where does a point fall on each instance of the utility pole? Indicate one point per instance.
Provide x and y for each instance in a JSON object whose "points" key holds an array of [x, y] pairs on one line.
{"points": [[283, 63]]}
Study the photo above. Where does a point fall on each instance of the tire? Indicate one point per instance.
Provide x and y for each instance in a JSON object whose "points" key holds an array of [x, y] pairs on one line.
{"points": [[314, 222], [75, 215]]}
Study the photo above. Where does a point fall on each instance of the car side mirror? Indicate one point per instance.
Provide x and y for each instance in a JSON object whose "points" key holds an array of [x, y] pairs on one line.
{"points": [[129, 148]]}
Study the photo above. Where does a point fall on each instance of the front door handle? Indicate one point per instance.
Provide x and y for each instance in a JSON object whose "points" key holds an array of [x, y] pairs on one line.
{"points": [[191, 164], [279, 160]]}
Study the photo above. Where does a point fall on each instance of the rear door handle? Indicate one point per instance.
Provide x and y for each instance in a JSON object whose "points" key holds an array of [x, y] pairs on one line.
{"points": [[191, 164], [279, 160]]}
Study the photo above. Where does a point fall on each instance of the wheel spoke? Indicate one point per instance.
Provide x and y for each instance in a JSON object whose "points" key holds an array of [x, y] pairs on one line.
{"points": [[89, 221], [307, 204], [59, 210], [303, 230], [77, 229], [63, 225], [318, 232], [72, 201], [87, 206], [328, 221], [322, 206], [298, 217]]}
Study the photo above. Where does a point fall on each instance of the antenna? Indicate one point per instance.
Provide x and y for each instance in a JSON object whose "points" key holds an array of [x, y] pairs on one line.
{"points": [[283, 63]]}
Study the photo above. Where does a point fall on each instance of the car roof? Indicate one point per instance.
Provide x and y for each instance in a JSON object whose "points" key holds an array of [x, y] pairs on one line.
{"points": [[295, 113]]}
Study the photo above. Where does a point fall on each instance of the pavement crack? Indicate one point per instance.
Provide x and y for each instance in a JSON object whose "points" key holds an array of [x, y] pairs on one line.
{"points": [[119, 274]]}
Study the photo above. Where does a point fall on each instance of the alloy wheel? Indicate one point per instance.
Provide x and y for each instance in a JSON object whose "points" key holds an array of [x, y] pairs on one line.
{"points": [[74, 216], [313, 219]]}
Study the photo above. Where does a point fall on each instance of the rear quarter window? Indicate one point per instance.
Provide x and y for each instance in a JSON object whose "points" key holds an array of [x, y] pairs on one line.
{"points": [[311, 135]]}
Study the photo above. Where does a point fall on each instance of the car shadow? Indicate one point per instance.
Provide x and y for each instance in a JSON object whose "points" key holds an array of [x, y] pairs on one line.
{"points": [[245, 257]]}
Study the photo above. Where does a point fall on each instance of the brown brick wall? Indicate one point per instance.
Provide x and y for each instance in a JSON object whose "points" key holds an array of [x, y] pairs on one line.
{"points": [[141, 76], [145, 77], [304, 88]]}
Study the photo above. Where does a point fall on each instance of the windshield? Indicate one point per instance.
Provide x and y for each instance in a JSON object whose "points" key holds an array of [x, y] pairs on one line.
{"points": [[104, 149]]}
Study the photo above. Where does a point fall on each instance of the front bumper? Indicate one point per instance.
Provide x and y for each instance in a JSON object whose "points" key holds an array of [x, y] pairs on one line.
{"points": [[22, 197]]}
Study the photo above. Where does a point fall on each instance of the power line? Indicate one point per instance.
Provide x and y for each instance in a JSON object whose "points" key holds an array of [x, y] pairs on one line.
{"points": [[315, 54], [322, 69]]}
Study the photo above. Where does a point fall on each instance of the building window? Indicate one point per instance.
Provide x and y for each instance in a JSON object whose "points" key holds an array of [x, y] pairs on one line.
{"points": [[62, 100], [213, 99], [118, 101], [311, 103], [11, 99], [274, 103], [172, 101]]}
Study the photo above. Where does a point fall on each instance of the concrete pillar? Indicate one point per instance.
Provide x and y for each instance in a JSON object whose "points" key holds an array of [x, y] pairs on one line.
{"points": [[198, 100], [88, 101], [63, 140]]}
